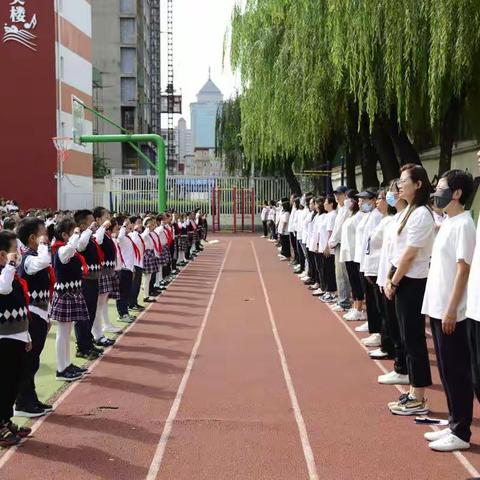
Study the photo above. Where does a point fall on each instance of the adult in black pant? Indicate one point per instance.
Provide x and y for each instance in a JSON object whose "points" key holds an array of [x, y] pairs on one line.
{"points": [[136, 286], [445, 303], [126, 277], [411, 251], [92, 254]]}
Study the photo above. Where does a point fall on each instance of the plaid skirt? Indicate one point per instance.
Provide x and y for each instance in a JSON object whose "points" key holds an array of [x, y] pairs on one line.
{"points": [[165, 256], [68, 306], [183, 243], [107, 282], [114, 294], [151, 263]]}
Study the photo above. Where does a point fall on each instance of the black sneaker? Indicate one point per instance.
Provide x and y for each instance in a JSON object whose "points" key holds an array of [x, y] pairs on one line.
{"points": [[137, 308], [76, 369], [68, 375], [104, 342], [7, 437], [91, 355], [28, 411], [46, 407], [125, 319], [21, 432]]}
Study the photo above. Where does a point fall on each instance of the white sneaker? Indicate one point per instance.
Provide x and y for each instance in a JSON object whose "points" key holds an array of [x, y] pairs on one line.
{"points": [[112, 329], [336, 308], [378, 354], [318, 292], [352, 315], [449, 443], [363, 328], [393, 378], [373, 340], [283, 258], [302, 275], [306, 279], [437, 435]]}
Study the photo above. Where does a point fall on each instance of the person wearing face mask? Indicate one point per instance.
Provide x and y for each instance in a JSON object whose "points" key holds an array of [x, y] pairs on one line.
{"points": [[347, 256], [399, 374], [412, 248], [367, 202], [344, 292], [445, 304]]}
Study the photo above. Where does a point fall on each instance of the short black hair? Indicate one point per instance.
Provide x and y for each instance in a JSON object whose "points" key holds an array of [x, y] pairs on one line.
{"points": [[63, 226], [460, 180], [99, 212], [133, 219], [6, 239], [121, 219], [27, 227], [81, 215], [330, 198], [9, 224]]}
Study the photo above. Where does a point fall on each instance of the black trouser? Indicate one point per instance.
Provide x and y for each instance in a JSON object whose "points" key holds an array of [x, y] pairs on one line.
{"points": [[136, 285], [301, 255], [373, 315], [293, 241], [12, 365], [408, 304], [386, 340], [126, 277], [38, 329], [83, 330], [353, 272], [453, 358], [174, 257], [393, 329], [285, 242], [473, 328], [320, 270], [329, 269], [265, 229], [312, 269]]}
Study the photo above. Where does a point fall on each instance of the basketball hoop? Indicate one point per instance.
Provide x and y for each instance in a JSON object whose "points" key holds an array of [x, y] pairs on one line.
{"points": [[63, 145]]}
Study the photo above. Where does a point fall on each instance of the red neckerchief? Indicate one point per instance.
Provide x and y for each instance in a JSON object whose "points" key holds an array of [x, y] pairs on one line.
{"points": [[120, 253], [52, 279], [23, 283], [57, 244], [143, 243], [169, 235], [135, 250], [101, 255], [157, 245], [194, 225]]}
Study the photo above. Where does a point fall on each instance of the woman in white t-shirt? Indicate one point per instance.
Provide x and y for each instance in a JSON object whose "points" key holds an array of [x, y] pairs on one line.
{"points": [[347, 255], [445, 302], [302, 235], [412, 248], [271, 219], [311, 273], [317, 225], [328, 255], [399, 374], [264, 219], [285, 252]]}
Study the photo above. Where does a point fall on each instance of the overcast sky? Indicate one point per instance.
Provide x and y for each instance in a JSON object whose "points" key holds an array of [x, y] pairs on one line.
{"points": [[199, 29]]}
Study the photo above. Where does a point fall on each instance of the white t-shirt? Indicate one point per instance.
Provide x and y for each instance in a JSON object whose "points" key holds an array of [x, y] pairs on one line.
{"points": [[418, 233], [473, 297], [359, 250], [347, 244], [264, 214], [385, 261], [455, 241], [342, 214], [300, 224], [372, 219], [271, 214], [327, 227], [283, 224], [315, 235], [308, 230], [292, 220], [374, 247]]}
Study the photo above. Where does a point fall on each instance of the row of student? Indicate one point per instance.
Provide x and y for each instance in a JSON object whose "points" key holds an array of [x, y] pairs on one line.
{"points": [[65, 273], [403, 261]]}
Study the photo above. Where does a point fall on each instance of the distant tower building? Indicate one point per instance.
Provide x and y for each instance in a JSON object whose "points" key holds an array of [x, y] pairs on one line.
{"points": [[203, 115]]}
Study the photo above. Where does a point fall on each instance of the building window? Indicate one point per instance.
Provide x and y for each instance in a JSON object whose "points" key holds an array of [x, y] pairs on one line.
{"points": [[128, 118], [127, 6], [62, 67], [128, 60], [127, 30], [128, 90]]}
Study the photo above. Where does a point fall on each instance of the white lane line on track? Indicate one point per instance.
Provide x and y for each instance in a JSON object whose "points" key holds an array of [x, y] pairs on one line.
{"points": [[38, 423], [167, 430], [458, 455], [302, 429]]}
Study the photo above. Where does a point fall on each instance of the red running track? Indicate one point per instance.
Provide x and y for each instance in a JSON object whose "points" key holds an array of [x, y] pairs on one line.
{"points": [[277, 388]]}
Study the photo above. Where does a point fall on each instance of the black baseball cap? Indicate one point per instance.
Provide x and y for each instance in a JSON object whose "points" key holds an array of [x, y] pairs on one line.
{"points": [[366, 194], [341, 189]]}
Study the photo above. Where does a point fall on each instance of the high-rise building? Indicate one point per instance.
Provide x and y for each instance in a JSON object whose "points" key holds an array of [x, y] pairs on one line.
{"points": [[123, 32], [183, 136], [46, 57], [203, 115]]}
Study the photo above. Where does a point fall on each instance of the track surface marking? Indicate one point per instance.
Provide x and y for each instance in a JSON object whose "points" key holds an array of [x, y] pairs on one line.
{"points": [[237, 418]]}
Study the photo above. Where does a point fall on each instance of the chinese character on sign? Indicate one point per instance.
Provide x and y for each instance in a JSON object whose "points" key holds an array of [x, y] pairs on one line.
{"points": [[20, 29]]}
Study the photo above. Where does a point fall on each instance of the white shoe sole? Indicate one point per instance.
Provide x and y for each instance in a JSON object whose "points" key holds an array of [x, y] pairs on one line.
{"points": [[407, 413], [19, 413], [393, 382]]}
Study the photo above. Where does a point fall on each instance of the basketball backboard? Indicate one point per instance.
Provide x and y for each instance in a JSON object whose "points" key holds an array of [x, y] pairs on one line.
{"points": [[78, 116]]}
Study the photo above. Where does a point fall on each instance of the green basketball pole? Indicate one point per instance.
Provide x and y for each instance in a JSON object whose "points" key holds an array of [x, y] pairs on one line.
{"points": [[160, 166]]}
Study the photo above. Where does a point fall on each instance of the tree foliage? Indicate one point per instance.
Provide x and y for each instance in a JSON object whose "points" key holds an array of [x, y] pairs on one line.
{"points": [[407, 69]]}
